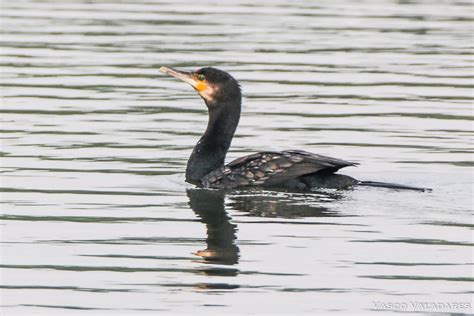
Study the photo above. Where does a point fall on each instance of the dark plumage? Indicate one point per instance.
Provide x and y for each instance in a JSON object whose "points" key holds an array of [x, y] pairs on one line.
{"points": [[273, 169], [292, 169]]}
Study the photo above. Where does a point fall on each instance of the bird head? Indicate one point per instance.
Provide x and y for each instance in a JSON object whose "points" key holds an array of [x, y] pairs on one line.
{"points": [[215, 86]]}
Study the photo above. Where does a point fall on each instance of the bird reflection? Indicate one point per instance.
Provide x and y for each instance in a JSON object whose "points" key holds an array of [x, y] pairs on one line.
{"points": [[209, 205], [283, 204], [221, 233]]}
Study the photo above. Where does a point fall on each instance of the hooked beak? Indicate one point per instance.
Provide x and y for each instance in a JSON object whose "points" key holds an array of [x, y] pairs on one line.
{"points": [[187, 77]]}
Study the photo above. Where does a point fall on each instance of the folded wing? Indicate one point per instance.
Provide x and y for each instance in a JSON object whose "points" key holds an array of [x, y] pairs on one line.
{"points": [[271, 169]]}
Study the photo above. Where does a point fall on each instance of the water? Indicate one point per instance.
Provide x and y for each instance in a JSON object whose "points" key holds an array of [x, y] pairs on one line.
{"points": [[97, 218]]}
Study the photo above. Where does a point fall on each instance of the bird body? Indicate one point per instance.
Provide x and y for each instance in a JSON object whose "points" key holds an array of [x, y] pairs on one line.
{"points": [[291, 169], [272, 169]]}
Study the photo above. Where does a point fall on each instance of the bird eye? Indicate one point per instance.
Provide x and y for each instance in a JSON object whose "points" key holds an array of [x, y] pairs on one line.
{"points": [[200, 77]]}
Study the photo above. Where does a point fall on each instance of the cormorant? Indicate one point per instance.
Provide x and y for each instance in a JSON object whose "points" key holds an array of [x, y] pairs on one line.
{"points": [[289, 169]]}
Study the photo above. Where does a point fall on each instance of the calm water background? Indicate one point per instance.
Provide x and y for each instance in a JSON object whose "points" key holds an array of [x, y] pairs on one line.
{"points": [[97, 218]]}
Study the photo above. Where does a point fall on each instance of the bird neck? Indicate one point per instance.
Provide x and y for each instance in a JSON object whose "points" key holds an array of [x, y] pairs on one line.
{"points": [[209, 153]]}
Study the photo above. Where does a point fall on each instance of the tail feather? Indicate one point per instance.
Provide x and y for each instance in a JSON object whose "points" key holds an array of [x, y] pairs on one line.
{"points": [[392, 186]]}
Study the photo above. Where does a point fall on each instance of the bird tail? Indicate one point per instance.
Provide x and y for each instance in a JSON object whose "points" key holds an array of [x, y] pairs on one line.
{"points": [[392, 186]]}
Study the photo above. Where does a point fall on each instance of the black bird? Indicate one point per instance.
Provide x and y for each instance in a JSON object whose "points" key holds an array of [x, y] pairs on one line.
{"points": [[289, 169]]}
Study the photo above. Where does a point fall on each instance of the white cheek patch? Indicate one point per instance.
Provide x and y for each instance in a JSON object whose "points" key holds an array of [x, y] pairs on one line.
{"points": [[209, 92]]}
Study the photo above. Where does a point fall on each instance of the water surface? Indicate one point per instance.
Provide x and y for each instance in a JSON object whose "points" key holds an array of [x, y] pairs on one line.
{"points": [[97, 218]]}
